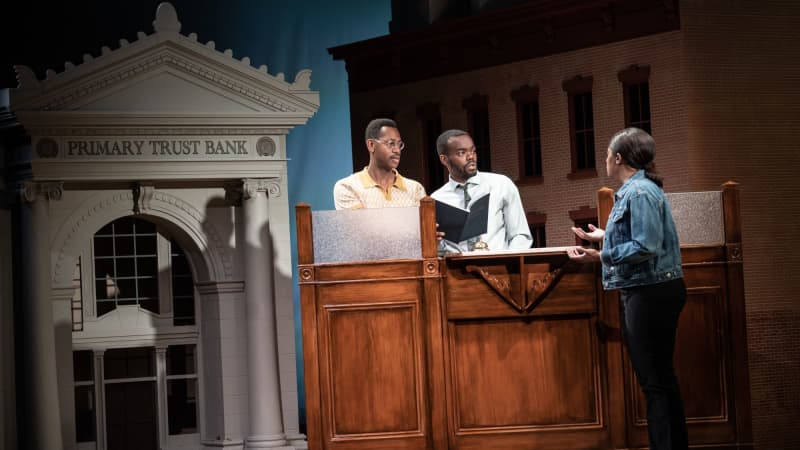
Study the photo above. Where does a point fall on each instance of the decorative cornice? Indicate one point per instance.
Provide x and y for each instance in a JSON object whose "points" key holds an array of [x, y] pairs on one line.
{"points": [[163, 45], [168, 59]]}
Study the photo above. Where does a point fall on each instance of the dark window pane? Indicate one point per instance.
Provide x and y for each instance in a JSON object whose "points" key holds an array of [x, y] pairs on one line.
{"points": [[126, 267], [103, 267], [527, 131], [527, 148], [103, 246], [182, 286], [589, 118], [129, 363], [84, 414], [123, 225], [590, 149], [181, 360], [182, 406], [124, 246], [106, 230], [538, 234], [82, 365], [146, 266], [580, 151], [104, 307], [183, 311], [144, 227], [634, 104], [146, 245], [148, 287], [127, 288], [179, 264], [645, 95]]}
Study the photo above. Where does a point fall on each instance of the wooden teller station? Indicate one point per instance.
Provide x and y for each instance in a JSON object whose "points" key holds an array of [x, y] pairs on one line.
{"points": [[510, 350]]}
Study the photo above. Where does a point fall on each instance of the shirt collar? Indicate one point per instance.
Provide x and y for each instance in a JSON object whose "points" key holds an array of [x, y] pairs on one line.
{"points": [[368, 182], [627, 184], [453, 184]]}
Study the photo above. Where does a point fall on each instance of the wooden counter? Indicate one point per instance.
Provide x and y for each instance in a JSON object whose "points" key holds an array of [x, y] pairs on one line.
{"points": [[508, 350]]}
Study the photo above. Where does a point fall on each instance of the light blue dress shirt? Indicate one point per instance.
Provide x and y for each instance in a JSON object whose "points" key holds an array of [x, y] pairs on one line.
{"points": [[507, 226]]}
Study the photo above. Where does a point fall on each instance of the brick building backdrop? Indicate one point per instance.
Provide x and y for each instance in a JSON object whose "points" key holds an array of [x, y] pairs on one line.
{"points": [[724, 90]]}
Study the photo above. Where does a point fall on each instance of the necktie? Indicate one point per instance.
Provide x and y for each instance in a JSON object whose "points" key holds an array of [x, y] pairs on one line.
{"points": [[467, 198]]}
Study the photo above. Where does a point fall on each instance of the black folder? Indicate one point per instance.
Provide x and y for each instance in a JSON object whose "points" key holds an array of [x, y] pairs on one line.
{"points": [[459, 224]]}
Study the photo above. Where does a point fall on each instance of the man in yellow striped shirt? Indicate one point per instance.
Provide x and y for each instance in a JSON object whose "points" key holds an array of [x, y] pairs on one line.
{"points": [[379, 185]]}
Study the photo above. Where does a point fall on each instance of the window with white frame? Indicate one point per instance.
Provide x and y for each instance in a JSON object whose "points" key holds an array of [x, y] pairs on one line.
{"points": [[136, 263]]}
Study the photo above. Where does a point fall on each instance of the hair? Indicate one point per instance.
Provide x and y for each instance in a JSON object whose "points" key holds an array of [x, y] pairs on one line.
{"points": [[441, 141], [638, 150], [374, 127]]}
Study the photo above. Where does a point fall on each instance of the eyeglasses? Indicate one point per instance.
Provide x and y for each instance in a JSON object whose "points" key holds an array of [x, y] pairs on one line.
{"points": [[391, 144]]}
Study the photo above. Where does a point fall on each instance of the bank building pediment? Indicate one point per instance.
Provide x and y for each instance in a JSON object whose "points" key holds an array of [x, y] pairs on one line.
{"points": [[163, 97]]}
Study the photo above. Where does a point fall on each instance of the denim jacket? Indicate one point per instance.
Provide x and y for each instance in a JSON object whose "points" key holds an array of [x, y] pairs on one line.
{"points": [[640, 245]]}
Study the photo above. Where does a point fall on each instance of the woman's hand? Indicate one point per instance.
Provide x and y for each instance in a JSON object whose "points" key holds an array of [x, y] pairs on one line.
{"points": [[584, 255], [594, 235]]}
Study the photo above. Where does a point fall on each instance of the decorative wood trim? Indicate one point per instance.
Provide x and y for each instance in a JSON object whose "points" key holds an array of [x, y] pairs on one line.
{"points": [[536, 217], [525, 94], [577, 85], [634, 74], [476, 102], [305, 234], [583, 213]]}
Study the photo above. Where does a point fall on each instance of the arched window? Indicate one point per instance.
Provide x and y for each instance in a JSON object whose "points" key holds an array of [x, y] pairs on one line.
{"points": [[136, 263]]}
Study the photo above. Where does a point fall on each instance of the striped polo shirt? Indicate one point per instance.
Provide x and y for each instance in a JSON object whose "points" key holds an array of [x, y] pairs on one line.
{"points": [[359, 190]]}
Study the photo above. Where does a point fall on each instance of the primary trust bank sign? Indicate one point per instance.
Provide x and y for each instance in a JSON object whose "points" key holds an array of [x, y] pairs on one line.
{"points": [[155, 303]]}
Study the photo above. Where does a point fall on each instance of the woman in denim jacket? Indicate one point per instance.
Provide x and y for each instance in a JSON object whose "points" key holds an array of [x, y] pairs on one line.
{"points": [[641, 257]]}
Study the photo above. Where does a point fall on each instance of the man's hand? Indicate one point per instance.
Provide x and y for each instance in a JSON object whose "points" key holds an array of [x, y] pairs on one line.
{"points": [[594, 235], [584, 255], [439, 234]]}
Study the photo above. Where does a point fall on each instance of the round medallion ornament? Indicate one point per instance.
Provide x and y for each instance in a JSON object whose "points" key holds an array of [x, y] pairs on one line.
{"points": [[265, 146], [47, 148]]}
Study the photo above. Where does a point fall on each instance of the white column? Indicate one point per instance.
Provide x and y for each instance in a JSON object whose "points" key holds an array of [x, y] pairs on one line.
{"points": [[161, 388], [100, 398], [40, 421], [264, 418]]}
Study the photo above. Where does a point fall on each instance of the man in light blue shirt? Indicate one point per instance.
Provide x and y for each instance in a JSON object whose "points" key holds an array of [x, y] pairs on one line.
{"points": [[507, 227]]}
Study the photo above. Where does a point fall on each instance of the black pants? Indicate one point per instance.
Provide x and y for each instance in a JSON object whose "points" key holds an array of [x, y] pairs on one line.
{"points": [[649, 316]]}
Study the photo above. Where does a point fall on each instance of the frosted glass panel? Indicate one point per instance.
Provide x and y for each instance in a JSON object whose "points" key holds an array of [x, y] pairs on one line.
{"points": [[366, 234], [698, 217]]}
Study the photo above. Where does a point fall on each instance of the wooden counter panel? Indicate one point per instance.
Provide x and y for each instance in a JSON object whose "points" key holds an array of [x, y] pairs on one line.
{"points": [[701, 364], [373, 369], [373, 292], [368, 271], [373, 392], [514, 374], [469, 297]]}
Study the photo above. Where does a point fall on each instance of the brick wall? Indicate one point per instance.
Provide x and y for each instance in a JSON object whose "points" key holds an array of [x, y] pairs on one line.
{"points": [[557, 195], [725, 105], [743, 74]]}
